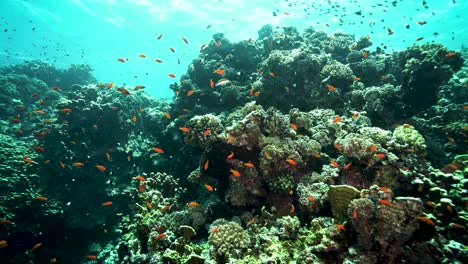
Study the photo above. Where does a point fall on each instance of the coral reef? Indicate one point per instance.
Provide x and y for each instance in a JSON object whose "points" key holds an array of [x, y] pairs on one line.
{"points": [[291, 148]]}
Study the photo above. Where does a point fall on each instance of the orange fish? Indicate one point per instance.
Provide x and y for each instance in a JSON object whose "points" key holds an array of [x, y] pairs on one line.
{"points": [[355, 214], [123, 90], [148, 205], [231, 139], [457, 226], [171, 75], [337, 147], [356, 78], [449, 208], [185, 40], [340, 227], [189, 93], [215, 230], [26, 159], [193, 204], [373, 148], [38, 245], [384, 202], [385, 189], [56, 88], [337, 119], [426, 220], [101, 168], [184, 129], [212, 84], [272, 74], [158, 60], [110, 85], [140, 178], [66, 110], [134, 119], [291, 162], [365, 55], [249, 164], [121, 60], [78, 164], [91, 257], [331, 88], [165, 208], [292, 209], [207, 132], [62, 164], [3, 244], [311, 199], [235, 173], [41, 112], [219, 71], [41, 198], [5, 222], [257, 93], [230, 156], [46, 162], [141, 188], [209, 187], [142, 55], [286, 88], [380, 155], [205, 166], [334, 164], [293, 126], [347, 166], [451, 139], [158, 150], [39, 149], [105, 204], [160, 236], [167, 115], [450, 54]]}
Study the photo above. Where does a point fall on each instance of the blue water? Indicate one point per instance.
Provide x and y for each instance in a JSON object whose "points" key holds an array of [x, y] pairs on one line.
{"points": [[98, 32]]}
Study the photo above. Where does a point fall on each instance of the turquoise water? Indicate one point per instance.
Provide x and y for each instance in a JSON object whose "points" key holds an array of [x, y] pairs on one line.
{"points": [[98, 32], [294, 148]]}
